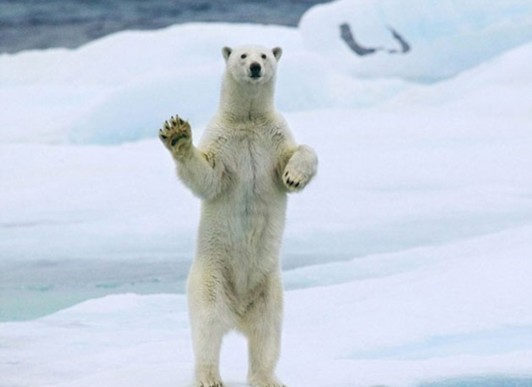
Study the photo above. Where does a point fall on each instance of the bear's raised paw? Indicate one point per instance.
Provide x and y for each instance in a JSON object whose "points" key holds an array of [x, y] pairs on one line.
{"points": [[176, 136]]}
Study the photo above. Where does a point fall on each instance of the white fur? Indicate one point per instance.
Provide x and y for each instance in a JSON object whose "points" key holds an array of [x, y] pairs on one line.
{"points": [[242, 170]]}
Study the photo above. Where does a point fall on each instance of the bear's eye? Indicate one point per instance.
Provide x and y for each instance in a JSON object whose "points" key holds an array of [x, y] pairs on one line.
{"points": [[263, 56], [243, 56]]}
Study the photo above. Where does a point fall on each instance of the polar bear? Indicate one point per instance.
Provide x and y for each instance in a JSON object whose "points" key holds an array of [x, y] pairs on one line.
{"points": [[243, 168]]}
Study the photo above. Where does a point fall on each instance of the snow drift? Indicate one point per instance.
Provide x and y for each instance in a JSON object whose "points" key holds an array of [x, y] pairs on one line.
{"points": [[407, 262]]}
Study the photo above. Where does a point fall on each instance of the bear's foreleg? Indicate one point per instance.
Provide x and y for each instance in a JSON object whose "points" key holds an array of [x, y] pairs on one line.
{"points": [[199, 172]]}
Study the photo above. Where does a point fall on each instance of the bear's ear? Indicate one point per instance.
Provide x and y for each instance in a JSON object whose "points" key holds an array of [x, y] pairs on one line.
{"points": [[226, 51], [277, 52]]}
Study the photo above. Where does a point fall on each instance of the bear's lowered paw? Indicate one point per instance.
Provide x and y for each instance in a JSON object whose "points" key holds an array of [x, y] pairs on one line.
{"points": [[294, 180], [300, 169], [176, 136]]}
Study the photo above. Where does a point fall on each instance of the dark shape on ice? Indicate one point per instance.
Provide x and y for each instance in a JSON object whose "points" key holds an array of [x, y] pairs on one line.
{"points": [[405, 47], [349, 39]]}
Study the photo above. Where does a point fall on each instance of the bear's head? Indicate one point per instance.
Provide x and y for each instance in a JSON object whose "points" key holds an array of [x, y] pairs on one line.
{"points": [[252, 64]]}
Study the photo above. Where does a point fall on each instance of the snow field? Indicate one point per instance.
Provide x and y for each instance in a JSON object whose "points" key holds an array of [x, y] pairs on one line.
{"points": [[407, 261]]}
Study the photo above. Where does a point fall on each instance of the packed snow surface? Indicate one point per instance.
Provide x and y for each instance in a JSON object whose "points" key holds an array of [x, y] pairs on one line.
{"points": [[407, 262]]}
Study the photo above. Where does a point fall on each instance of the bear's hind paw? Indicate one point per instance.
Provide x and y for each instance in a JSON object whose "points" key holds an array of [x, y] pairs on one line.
{"points": [[210, 384], [266, 383]]}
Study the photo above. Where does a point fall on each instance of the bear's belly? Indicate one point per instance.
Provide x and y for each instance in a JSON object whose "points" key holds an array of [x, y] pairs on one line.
{"points": [[242, 240], [246, 222], [241, 230]]}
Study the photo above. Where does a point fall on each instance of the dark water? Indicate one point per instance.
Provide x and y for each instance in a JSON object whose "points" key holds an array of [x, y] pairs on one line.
{"points": [[39, 24]]}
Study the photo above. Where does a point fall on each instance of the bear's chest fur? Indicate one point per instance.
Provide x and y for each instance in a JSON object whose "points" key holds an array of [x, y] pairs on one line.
{"points": [[251, 158], [250, 153]]}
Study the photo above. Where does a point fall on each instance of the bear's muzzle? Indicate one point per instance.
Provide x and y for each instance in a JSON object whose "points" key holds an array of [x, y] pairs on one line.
{"points": [[255, 70]]}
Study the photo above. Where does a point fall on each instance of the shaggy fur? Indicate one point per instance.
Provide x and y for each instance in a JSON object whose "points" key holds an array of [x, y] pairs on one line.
{"points": [[242, 170]]}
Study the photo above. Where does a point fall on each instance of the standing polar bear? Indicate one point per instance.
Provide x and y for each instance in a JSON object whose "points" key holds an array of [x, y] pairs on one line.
{"points": [[242, 170]]}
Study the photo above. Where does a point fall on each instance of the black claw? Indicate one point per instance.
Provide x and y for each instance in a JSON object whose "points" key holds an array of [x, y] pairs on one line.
{"points": [[297, 185], [163, 137], [286, 174]]}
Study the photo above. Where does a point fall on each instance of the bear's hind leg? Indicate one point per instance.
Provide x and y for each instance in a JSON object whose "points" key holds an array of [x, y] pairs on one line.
{"points": [[262, 326], [207, 341], [208, 328]]}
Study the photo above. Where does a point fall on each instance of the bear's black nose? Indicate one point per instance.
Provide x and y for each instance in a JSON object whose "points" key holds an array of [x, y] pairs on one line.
{"points": [[255, 70]]}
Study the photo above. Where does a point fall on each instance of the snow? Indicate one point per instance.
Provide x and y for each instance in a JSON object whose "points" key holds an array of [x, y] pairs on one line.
{"points": [[407, 262], [445, 36]]}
